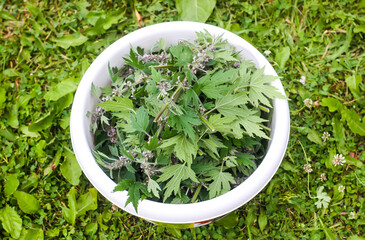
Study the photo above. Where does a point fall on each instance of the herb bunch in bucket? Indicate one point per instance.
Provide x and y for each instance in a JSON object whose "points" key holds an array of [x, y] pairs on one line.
{"points": [[182, 123]]}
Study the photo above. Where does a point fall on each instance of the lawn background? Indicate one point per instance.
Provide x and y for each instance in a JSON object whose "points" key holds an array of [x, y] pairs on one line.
{"points": [[317, 47]]}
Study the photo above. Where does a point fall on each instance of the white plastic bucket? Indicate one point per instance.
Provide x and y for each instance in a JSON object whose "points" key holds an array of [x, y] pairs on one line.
{"points": [[193, 214]]}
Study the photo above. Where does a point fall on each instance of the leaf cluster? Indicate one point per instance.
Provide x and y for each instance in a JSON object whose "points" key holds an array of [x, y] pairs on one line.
{"points": [[182, 118]]}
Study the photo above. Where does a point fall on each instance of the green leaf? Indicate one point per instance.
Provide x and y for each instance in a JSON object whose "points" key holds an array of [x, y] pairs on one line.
{"points": [[282, 56], [2, 98], [62, 89], [136, 191], [32, 234], [221, 182], [353, 83], [184, 148], [72, 40], [359, 28], [185, 122], [42, 123], [215, 85], [229, 221], [141, 120], [11, 185], [7, 16], [153, 187], [332, 104], [355, 237], [314, 137], [183, 54], [223, 125], [251, 124], [91, 228], [354, 121], [70, 213], [260, 91], [87, 202], [323, 198], [70, 169], [344, 45], [227, 105], [133, 60], [213, 144], [289, 166], [27, 202], [12, 116], [329, 234], [262, 220], [121, 105], [195, 10], [7, 134], [176, 173], [339, 133], [11, 222], [25, 130]]}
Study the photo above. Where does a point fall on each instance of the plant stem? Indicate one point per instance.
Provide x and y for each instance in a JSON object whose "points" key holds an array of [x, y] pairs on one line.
{"points": [[174, 98], [306, 159], [196, 193], [161, 66], [209, 125]]}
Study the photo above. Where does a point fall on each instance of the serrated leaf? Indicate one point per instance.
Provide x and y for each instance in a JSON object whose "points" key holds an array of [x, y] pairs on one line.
{"points": [[225, 56], [133, 60], [183, 54], [245, 159], [213, 144], [11, 221], [70, 168], [222, 124], [136, 190], [195, 10], [141, 120], [251, 124], [72, 40], [260, 91], [176, 173], [221, 183], [62, 89], [153, 187], [121, 105], [11, 185], [185, 123], [27, 202], [184, 148], [215, 85], [227, 105]]}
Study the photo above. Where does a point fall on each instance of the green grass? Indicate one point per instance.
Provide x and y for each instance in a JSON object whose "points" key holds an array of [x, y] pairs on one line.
{"points": [[45, 48]]}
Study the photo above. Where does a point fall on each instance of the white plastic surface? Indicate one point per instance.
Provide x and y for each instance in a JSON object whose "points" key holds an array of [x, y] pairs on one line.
{"points": [[82, 139]]}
